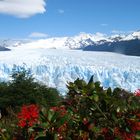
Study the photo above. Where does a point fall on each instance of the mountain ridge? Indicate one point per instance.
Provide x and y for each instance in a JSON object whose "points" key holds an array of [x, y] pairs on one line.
{"points": [[84, 41]]}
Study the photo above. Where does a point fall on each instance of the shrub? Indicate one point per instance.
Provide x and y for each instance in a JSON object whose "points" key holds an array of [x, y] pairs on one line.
{"points": [[88, 112], [22, 89]]}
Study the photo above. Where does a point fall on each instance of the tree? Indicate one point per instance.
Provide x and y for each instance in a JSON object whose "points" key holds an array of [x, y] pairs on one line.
{"points": [[23, 89]]}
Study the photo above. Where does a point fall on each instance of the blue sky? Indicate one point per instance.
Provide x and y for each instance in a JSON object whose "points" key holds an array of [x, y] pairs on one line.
{"points": [[40, 18]]}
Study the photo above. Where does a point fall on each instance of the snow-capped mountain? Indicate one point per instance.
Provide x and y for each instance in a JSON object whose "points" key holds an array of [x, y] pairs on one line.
{"points": [[76, 42], [79, 41], [84, 41], [131, 36], [8, 44], [4, 49], [125, 44]]}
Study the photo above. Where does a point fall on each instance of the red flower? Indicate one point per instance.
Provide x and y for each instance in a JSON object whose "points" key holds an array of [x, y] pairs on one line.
{"points": [[105, 130], [127, 136], [116, 131], [62, 110], [137, 92], [54, 108], [106, 133], [22, 123], [28, 115], [85, 121], [123, 134], [62, 128], [135, 126], [90, 126]]}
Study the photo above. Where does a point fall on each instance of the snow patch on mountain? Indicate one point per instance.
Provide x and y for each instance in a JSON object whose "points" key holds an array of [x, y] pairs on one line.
{"points": [[76, 42], [136, 34], [131, 36], [79, 41]]}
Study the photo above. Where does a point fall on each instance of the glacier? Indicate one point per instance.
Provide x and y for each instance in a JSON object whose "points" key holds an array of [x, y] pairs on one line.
{"points": [[57, 67]]}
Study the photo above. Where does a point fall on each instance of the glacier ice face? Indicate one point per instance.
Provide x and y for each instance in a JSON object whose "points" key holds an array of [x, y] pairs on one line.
{"points": [[56, 67]]}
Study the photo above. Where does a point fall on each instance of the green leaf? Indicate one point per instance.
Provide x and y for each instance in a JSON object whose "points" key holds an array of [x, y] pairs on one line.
{"points": [[137, 137], [55, 116], [62, 121], [127, 130], [50, 114], [38, 129], [96, 97], [97, 84], [100, 137], [45, 138], [109, 91]]}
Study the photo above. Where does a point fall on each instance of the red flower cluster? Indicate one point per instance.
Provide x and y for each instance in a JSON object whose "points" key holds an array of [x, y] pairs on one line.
{"points": [[62, 128], [137, 92], [104, 130], [134, 125], [127, 136], [62, 110], [28, 116], [118, 133]]}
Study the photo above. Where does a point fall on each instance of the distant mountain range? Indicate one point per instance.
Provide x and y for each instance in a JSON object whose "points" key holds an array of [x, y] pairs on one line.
{"points": [[4, 49], [126, 44], [128, 47]]}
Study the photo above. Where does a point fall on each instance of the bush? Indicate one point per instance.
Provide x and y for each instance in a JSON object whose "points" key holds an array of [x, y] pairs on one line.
{"points": [[106, 114], [88, 112], [22, 89]]}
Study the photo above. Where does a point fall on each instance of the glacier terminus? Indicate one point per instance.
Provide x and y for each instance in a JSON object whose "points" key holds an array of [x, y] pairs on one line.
{"points": [[56, 67]]}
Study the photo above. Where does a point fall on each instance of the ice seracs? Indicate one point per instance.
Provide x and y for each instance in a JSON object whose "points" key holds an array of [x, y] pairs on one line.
{"points": [[55, 67]]}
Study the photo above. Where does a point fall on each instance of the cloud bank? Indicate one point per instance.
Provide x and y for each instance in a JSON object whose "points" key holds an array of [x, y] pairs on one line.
{"points": [[117, 32], [22, 8], [38, 35]]}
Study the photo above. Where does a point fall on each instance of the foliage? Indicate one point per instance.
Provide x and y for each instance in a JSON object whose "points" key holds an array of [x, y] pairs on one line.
{"points": [[88, 112], [8, 125], [106, 114], [23, 89]]}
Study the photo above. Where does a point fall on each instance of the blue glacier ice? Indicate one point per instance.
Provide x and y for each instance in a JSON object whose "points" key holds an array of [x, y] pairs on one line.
{"points": [[55, 67]]}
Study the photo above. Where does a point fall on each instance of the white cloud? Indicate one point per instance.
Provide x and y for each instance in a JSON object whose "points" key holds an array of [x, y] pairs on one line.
{"points": [[100, 34], [121, 32], [117, 32], [22, 8], [61, 11], [104, 24], [38, 35]]}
